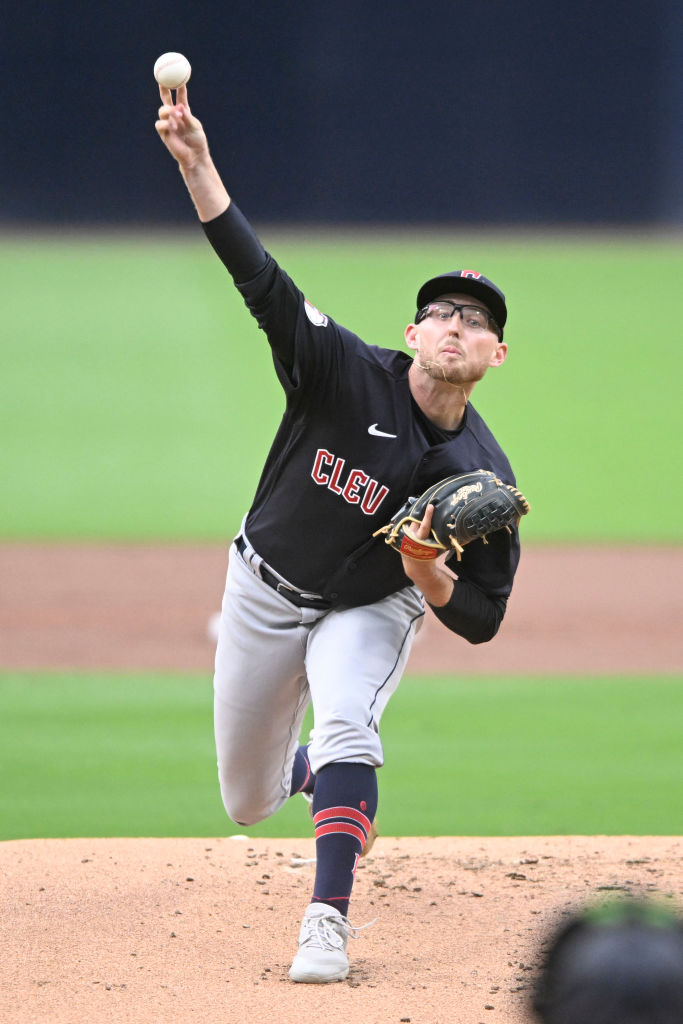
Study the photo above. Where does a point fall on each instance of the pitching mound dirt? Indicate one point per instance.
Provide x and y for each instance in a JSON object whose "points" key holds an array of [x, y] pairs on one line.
{"points": [[185, 930]]}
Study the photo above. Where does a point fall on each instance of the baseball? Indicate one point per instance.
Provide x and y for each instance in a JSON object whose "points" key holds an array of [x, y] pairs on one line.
{"points": [[172, 70], [213, 627]]}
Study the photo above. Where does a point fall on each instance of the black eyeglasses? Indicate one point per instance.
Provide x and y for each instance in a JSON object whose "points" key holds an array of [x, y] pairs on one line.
{"points": [[474, 318]]}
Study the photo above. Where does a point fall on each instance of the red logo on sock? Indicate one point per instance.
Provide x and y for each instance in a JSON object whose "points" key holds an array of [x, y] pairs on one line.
{"points": [[363, 805]]}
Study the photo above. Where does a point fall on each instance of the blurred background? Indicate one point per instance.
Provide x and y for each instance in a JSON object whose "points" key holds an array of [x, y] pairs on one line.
{"points": [[373, 146], [422, 113]]}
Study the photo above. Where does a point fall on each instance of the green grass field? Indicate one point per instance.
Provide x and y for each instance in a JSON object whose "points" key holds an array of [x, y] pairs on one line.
{"points": [[137, 398], [109, 755], [138, 401]]}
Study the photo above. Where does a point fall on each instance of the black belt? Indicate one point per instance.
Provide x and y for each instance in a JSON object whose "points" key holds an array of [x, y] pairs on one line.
{"points": [[294, 596]]}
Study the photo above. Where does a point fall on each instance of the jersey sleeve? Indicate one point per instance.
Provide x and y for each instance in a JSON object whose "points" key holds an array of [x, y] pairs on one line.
{"points": [[236, 244], [485, 576], [305, 343], [490, 565], [471, 614]]}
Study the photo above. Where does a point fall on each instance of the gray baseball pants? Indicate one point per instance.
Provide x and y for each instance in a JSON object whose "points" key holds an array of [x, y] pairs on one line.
{"points": [[273, 658]]}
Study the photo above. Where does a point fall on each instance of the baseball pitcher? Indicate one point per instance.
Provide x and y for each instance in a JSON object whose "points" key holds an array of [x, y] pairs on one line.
{"points": [[337, 554]]}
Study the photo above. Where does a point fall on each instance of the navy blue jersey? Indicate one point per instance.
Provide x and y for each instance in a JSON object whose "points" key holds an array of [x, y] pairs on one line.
{"points": [[352, 446]]}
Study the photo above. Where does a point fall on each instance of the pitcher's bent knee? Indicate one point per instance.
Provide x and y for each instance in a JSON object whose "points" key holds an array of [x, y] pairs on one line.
{"points": [[249, 807]]}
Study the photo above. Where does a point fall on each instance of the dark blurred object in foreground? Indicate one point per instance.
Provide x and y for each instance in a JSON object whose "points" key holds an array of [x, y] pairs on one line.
{"points": [[616, 964]]}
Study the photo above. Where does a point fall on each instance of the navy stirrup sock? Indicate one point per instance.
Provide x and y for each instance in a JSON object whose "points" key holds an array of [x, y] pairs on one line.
{"points": [[344, 807], [303, 779]]}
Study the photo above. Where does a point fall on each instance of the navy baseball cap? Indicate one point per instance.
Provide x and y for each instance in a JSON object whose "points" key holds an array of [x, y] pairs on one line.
{"points": [[470, 282]]}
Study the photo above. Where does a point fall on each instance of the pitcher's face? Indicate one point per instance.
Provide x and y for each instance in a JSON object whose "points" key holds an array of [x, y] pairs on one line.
{"points": [[455, 340]]}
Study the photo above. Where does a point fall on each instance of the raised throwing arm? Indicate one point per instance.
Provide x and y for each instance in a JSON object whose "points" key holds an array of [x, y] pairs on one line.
{"points": [[184, 137]]}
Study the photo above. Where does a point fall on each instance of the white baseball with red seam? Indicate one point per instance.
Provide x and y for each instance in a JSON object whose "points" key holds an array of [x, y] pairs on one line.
{"points": [[172, 70]]}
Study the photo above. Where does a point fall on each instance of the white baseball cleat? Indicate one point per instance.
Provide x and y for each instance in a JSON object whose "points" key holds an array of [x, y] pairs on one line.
{"points": [[322, 946]]}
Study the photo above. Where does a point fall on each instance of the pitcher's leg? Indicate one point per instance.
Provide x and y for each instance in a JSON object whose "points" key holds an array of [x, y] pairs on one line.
{"points": [[355, 660], [344, 807], [303, 779], [354, 663], [260, 695]]}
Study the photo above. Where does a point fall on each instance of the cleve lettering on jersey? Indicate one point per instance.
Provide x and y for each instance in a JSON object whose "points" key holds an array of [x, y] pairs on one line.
{"points": [[357, 479], [333, 482], [357, 488]]}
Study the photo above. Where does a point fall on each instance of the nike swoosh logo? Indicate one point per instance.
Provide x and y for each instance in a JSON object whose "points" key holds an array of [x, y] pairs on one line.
{"points": [[379, 433]]}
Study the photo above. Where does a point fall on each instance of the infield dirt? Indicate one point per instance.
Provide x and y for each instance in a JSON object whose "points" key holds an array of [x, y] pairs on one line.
{"points": [[573, 610], [139, 931], [150, 930]]}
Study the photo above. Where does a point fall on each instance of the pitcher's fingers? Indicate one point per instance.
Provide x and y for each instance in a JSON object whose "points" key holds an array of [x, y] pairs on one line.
{"points": [[175, 114], [181, 96], [171, 123], [424, 529], [166, 96]]}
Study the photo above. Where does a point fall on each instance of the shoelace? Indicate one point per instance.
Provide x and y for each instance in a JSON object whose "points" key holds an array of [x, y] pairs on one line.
{"points": [[321, 932]]}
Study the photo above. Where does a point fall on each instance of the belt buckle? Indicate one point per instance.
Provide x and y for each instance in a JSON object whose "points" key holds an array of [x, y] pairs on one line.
{"points": [[297, 593], [283, 586], [294, 595]]}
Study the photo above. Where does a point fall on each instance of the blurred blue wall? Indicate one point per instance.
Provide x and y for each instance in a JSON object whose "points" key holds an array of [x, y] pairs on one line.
{"points": [[482, 112]]}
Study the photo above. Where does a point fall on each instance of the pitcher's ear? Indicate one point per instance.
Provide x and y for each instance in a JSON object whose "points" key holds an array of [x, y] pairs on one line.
{"points": [[412, 336], [499, 354]]}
